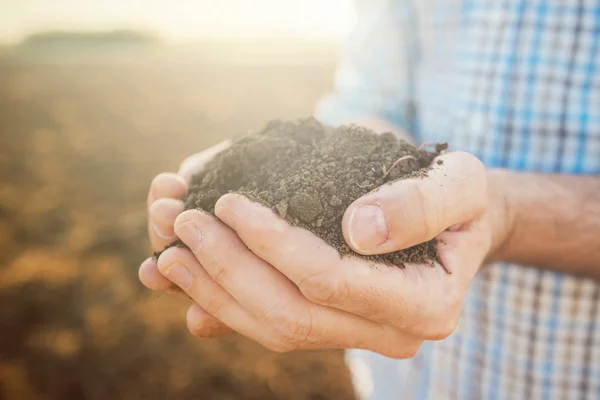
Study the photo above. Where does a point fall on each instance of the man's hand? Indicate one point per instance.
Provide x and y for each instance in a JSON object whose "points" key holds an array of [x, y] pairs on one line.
{"points": [[287, 289], [164, 204]]}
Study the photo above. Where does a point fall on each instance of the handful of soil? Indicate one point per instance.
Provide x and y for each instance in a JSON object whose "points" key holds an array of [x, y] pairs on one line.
{"points": [[309, 174]]}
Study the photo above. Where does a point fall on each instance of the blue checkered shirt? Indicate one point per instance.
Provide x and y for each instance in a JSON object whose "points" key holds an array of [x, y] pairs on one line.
{"points": [[517, 83]]}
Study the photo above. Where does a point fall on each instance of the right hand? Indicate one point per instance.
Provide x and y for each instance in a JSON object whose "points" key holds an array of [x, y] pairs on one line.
{"points": [[164, 204]]}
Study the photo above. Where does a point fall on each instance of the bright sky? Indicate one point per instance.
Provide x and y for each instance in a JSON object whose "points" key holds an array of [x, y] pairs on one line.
{"points": [[180, 20]]}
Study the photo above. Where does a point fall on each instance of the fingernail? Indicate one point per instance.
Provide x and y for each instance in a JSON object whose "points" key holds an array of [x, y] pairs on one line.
{"points": [[179, 275], [190, 234], [161, 234], [367, 228], [162, 214], [166, 209]]}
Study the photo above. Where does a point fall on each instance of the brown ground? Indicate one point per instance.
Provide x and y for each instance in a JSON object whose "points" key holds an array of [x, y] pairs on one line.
{"points": [[78, 147], [310, 174]]}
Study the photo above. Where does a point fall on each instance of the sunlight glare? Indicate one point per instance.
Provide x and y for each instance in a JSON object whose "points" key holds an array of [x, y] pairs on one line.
{"points": [[182, 20]]}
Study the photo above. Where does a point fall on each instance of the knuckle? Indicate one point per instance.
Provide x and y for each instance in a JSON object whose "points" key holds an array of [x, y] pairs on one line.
{"points": [[324, 288], [220, 274], [212, 305], [264, 245], [434, 327], [401, 349], [410, 351], [218, 270], [402, 353], [285, 326], [396, 345], [443, 330]]}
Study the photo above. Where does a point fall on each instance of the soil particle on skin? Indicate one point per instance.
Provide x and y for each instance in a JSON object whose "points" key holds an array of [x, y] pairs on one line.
{"points": [[309, 174]]}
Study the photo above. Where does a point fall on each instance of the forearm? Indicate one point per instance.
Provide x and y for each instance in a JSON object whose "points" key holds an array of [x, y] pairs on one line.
{"points": [[550, 221]]}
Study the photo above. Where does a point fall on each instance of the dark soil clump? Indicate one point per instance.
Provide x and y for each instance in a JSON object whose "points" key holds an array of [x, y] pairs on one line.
{"points": [[310, 174]]}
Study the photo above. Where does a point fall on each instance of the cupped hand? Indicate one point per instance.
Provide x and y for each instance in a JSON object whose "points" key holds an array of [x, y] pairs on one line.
{"points": [[287, 289], [164, 204]]}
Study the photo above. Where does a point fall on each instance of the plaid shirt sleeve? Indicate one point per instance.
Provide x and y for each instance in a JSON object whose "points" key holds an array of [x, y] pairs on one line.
{"points": [[373, 79]]}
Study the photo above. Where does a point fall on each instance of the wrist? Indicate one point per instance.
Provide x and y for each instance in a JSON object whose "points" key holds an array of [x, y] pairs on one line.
{"points": [[502, 214]]}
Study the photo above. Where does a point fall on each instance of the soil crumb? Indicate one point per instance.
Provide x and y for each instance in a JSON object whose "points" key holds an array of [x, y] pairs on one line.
{"points": [[309, 174]]}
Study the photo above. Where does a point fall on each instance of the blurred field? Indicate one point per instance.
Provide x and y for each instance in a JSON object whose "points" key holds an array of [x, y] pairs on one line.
{"points": [[79, 144]]}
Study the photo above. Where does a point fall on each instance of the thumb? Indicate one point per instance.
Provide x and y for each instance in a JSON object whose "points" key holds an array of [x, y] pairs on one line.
{"points": [[412, 211]]}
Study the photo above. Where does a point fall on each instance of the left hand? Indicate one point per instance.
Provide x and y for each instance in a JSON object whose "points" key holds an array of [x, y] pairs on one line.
{"points": [[287, 289]]}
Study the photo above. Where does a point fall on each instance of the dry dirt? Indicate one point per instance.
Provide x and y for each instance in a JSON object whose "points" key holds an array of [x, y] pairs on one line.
{"points": [[310, 174], [78, 147]]}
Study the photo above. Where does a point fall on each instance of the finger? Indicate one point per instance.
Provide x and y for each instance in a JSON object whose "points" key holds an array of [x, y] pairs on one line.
{"points": [[179, 266], [202, 324], [194, 163], [166, 185], [276, 302], [384, 294], [199, 322], [464, 250], [150, 276], [413, 211], [161, 216]]}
